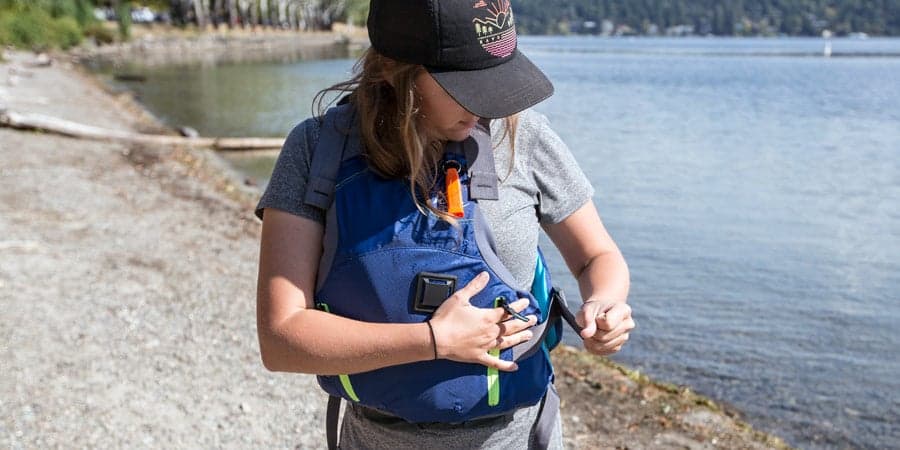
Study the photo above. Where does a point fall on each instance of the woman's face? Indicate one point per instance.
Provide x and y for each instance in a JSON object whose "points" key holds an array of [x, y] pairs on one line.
{"points": [[439, 115]]}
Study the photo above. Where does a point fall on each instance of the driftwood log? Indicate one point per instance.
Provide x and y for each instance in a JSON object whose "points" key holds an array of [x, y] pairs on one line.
{"points": [[48, 124]]}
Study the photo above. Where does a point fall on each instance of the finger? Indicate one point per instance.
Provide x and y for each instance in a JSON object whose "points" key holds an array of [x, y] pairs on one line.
{"points": [[517, 306], [512, 326], [586, 317], [473, 287], [615, 314], [514, 339], [497, 363], [606, 351], [607, 348], [623, 327], [616, 344]]}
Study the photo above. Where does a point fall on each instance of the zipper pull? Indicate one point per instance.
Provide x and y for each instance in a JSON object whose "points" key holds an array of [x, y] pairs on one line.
{"points": [[454, 190], [502, 302]]}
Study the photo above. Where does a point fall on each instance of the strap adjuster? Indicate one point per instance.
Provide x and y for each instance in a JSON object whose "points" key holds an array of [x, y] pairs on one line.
{"points": [[431, 291]]}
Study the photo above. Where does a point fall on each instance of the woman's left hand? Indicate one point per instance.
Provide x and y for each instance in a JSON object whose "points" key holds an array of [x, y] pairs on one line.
{"points": [[606, 326]]}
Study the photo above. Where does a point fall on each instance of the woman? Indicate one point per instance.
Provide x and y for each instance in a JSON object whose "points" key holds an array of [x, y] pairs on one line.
{"points": [[434, 71]]}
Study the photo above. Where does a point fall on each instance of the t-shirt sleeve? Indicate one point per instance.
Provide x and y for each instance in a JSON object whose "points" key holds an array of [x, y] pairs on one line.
{"points": [[287, 187], [562, 186]]}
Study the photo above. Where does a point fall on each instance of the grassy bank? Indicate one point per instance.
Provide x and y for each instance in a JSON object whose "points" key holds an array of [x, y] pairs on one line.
{"points": [[608, 405], [54, 24]]}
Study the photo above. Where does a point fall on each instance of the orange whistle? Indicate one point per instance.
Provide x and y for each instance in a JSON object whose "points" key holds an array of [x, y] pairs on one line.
{"points": [[454, 194]]}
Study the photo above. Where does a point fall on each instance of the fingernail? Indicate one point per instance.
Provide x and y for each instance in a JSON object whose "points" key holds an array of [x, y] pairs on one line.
{"points": [[528, 335], [515, 367], [483, 276]]}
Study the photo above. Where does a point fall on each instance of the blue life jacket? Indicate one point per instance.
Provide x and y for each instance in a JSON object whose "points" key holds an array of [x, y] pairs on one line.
{"points": [[385, 261]]}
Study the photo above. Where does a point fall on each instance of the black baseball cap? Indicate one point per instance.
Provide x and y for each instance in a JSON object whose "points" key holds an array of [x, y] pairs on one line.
{"points": [[468, 46]]}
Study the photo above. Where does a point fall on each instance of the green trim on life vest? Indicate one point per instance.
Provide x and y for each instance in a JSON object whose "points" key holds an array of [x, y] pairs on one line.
{"points": [[493, 375], [345, 379], [345, 382]]}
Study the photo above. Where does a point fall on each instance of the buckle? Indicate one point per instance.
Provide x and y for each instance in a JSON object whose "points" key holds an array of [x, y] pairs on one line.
{"points": [[431, 291]]}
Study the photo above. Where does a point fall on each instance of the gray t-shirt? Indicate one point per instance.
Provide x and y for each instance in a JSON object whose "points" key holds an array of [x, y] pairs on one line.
{"points": [[544, 186]]}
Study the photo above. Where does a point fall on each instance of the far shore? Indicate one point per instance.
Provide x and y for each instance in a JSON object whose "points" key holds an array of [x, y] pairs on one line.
{"points": [[131, 271], [162, 45]]}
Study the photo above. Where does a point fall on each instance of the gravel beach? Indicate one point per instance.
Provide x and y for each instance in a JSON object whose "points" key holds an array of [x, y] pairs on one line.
{"points": [[128, 293], [127, 283]]}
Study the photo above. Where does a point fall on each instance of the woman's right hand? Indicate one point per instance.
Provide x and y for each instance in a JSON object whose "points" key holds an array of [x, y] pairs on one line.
{"points": [[465, 333]]}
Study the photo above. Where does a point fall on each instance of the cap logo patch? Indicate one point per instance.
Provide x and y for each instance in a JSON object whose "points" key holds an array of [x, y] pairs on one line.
{"points": [[495, 26]]}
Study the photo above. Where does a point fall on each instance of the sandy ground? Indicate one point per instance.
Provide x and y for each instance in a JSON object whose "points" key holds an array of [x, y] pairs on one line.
{"points": [[127, 284]]}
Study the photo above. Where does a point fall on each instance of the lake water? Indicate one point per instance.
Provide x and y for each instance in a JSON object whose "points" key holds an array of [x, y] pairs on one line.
{"points": [[752, 184]]}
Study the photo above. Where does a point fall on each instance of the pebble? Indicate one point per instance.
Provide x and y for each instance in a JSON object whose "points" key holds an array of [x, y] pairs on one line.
{"points": [[188, 132], [42, 60]]}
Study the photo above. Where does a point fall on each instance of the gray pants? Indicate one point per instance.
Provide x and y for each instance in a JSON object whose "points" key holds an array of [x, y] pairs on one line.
{"points": [[366, 429]]}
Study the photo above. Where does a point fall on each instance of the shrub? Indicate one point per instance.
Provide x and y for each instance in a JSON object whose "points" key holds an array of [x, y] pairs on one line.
{"points": [[84, 13], [100, 33], [35, 29], [5, 36], [66, 32], [62, 8], [123, 14], [27, 28]]}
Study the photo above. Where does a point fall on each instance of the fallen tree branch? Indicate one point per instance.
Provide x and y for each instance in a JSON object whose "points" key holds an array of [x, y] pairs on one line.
{"points": [[48, 124]]}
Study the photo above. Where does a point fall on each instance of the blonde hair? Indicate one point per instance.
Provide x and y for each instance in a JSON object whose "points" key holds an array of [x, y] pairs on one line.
{"points": [[384, 93]]}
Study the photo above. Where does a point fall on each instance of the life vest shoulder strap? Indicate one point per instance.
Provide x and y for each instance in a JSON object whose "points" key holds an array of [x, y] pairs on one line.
{"points": [[480, 157], [338, 141]]}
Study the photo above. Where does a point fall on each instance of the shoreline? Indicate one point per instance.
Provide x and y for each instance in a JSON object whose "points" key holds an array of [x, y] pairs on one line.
{"points": [[644, 413], [158, 45]]}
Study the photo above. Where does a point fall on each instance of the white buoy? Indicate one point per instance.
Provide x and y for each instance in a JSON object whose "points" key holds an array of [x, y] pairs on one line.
{"points": [[826, 52]]}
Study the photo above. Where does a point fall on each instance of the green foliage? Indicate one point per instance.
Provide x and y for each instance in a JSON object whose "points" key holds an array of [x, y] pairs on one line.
{"points": [[66, 32], [25, 29], [35, 28], [357, 11], [6, 37], [123, 14], [56, 8], [718, 17], [61, 8], [84, 12], [100, 33]]}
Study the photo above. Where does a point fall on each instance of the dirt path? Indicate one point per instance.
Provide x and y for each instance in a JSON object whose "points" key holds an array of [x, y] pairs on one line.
{"points": [[127, 283]]}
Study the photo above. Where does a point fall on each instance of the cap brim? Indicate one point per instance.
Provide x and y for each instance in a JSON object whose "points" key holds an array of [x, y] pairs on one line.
{"points": [[498, 91]]}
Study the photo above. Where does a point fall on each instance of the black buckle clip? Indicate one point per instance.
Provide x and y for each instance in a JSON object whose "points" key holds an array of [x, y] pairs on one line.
{"points": [[431, 291]]}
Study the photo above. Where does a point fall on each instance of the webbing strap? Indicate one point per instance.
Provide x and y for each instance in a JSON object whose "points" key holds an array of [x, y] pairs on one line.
{"points": [[327, 157], [559, 309], [538, 333], [546, 420], [480, 157], [558, 297], [332, 414]]}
